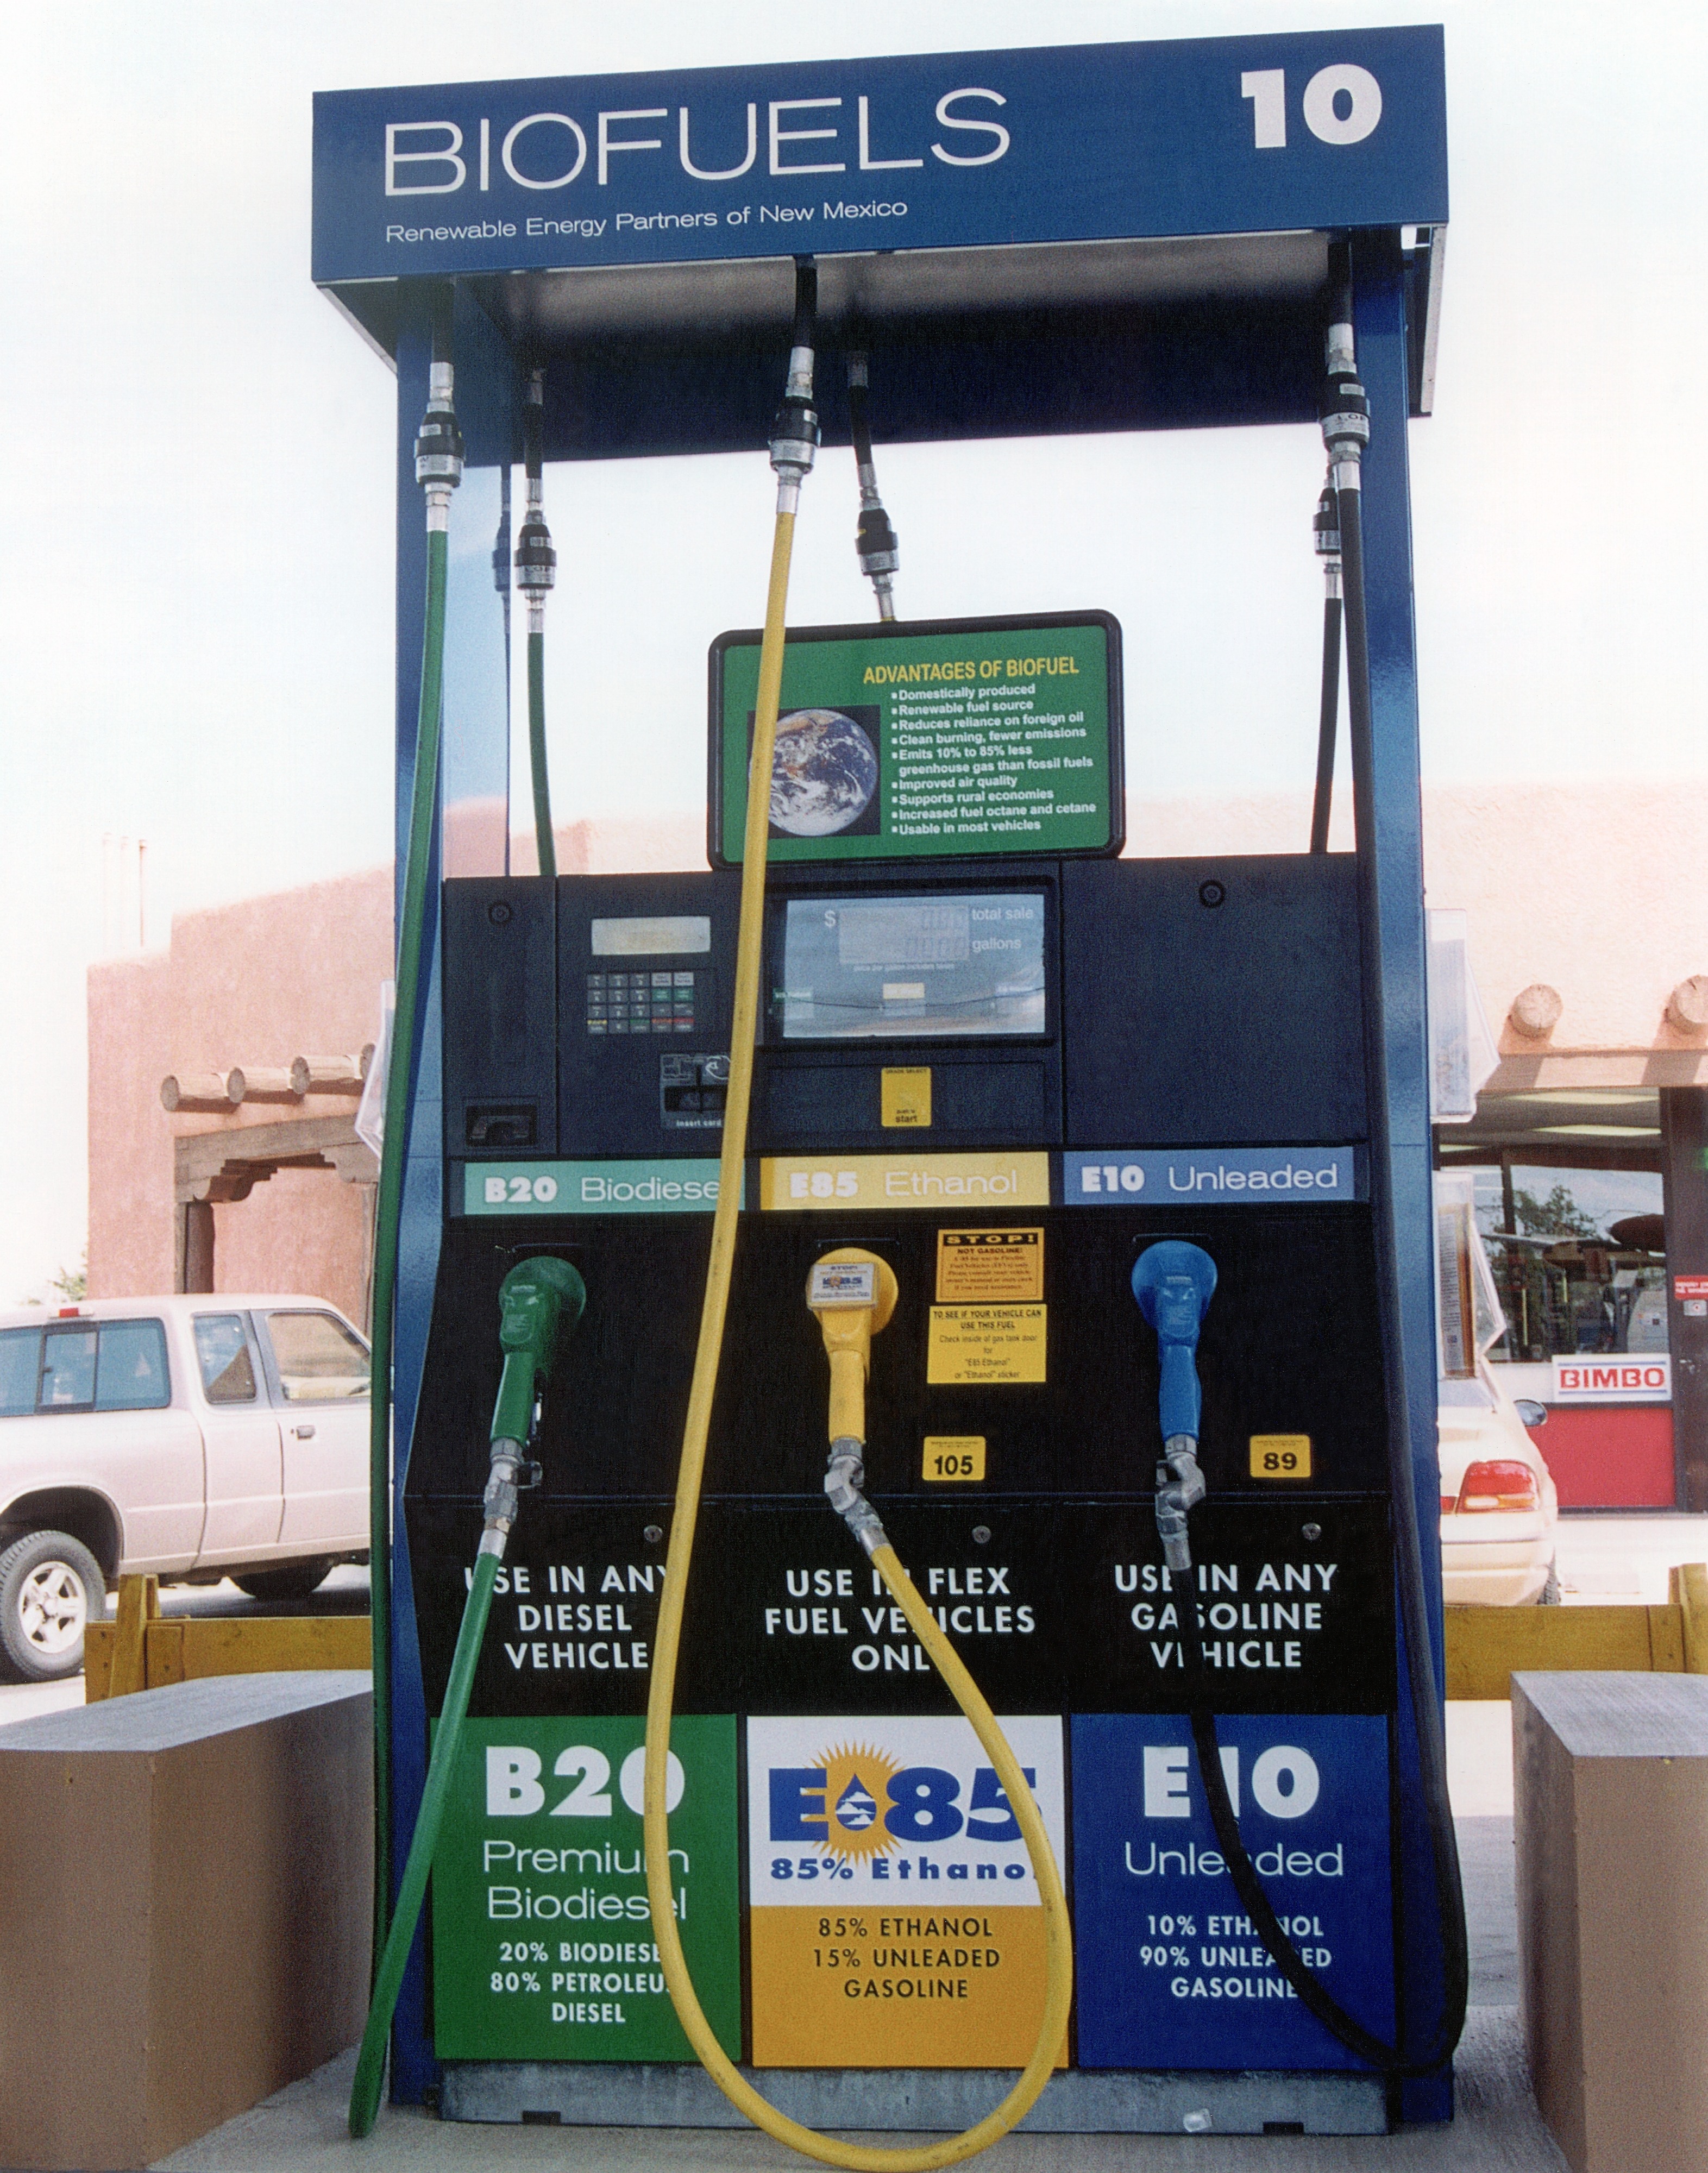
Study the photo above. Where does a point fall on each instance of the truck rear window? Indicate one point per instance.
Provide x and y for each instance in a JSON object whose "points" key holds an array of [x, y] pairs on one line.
{"points": [[105, 1366], [131, 1371], [21, 1366]]}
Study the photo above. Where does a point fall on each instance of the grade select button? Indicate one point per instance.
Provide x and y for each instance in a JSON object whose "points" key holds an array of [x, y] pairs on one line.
{"points": [[1115, 1176]]}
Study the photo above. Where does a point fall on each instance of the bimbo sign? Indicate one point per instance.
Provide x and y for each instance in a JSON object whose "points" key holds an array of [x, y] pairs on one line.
{"points": [[1613, 1379]]}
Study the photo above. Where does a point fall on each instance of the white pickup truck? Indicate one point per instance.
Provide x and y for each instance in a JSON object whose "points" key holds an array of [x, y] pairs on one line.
{"points": [[200, 1438]]}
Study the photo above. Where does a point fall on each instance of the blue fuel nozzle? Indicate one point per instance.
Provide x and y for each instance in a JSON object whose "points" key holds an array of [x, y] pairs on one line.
{"points": [[1173, 1282]]}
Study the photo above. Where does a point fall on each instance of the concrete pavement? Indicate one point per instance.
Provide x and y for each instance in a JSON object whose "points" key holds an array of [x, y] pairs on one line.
{"points": [[1498, 2129]]}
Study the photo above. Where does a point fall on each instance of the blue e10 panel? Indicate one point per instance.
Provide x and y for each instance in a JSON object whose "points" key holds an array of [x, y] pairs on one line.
{"points": [[1172, 1972], [944, 150]]}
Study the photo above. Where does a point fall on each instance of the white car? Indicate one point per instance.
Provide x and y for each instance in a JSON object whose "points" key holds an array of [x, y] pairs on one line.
{"points": [[1498, 1510], [199, 1438]]}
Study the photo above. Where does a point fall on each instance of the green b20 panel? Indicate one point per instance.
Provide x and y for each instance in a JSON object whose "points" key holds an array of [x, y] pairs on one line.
{"points": [[543, 1942], [914, 743]]}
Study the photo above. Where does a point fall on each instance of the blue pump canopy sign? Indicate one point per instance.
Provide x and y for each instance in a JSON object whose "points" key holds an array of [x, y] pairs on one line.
{"points": [[1259, 135]]}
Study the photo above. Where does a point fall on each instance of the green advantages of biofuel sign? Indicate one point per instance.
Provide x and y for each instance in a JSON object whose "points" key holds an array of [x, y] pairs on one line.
{"points": [[963, 737], [543, 1942]]}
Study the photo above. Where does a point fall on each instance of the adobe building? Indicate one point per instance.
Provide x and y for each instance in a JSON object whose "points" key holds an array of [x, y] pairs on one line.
{"points": [[1587, 936]]}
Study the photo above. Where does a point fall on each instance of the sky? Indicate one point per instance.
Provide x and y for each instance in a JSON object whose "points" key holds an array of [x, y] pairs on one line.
{"points": [[196, 501]]}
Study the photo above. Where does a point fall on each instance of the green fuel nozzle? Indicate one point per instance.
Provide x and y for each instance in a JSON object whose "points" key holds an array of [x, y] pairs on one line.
{"points": [[540, 1298]]}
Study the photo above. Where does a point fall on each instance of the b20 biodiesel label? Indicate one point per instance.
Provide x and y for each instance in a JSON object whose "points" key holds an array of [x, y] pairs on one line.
{"points": [[895, 1919], [543, 1945], [689, 1187]]}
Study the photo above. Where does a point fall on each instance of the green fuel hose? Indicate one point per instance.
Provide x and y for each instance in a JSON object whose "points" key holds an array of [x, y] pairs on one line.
{"points": [[438, 460], [388, 1211], [539, 1297], [393, 1956], [544, 843], [536, 576]]}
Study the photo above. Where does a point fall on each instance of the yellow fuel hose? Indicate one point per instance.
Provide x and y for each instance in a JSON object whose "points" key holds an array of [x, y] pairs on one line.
{"points": [[1059, 1948]]}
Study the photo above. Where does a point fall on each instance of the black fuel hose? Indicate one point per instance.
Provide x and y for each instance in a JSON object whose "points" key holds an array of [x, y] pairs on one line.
{"points": [[1345, 427], [1327, 538], [876, 546]]}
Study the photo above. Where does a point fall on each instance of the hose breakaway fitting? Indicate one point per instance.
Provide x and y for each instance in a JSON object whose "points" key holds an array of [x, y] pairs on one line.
{"points": [[877, 546], [844, 1476], [1345, 412], [514, 1473], [1325, 534], [794, 429], [1180, 1488], [536, 561], [439, 451]]}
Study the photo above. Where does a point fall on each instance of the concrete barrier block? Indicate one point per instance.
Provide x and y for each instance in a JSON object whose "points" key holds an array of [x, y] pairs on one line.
{"points": [[188, 1876], [1611, 1827]]}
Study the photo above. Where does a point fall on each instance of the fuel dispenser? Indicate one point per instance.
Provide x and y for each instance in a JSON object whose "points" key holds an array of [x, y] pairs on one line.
{"points": [[1079, 1713]]}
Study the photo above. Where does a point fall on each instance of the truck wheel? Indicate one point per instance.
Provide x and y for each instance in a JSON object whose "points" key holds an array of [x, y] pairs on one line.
{"points": [[50, 1585], [290, 1581], [1550, 1594]]}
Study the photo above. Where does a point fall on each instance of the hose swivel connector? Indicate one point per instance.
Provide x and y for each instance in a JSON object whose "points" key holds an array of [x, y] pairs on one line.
{"points": [[794, 431], [1179, 1489], [511, 1473], [537, 562], [1346, 410], [878, 550], [439, 446], [844, 1476], [1325, 534]]}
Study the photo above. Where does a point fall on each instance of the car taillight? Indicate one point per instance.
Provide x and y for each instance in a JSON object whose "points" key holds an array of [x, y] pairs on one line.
{"points": [[1498, 1484], [1449, 1504]]}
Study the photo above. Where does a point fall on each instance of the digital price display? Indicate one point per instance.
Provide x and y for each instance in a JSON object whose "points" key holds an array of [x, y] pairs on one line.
{"points": [[856, 968], [968, 737]]}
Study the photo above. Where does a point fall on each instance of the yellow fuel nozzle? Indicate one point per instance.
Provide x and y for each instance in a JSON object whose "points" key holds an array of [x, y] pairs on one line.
{"points": [[853, 1293]]}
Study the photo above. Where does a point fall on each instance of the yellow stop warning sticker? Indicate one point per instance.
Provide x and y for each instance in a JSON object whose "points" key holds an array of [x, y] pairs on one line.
{"points": [[998, 1266], [985, 1345]]}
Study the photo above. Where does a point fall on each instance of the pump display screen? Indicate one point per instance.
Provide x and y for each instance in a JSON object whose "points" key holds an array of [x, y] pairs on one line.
{"points": [[859, 968], [982, 737]]}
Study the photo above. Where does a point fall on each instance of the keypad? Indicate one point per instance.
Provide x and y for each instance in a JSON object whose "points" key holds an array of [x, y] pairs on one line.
{"points": [[661, 1002]]}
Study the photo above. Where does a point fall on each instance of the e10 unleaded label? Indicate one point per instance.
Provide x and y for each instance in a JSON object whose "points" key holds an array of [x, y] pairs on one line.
{"points": [[1171, 1971], [543, 1939], [895, 1920]]}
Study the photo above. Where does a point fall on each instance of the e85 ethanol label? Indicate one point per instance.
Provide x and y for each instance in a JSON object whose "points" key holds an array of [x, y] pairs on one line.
{"points": [[543, 1943], [895, 1919]]}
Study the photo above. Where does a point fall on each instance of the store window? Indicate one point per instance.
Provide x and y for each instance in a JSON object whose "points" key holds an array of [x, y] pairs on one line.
{"points": [[1579, 1257]]}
